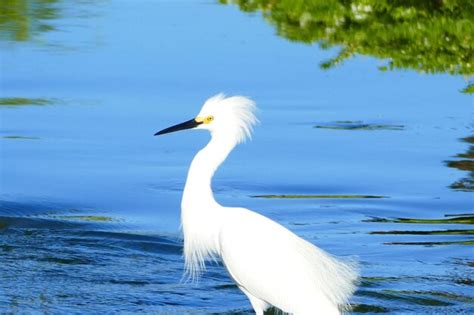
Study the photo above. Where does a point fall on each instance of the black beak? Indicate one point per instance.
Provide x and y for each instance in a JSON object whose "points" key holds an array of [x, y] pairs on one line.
{"points": [[192, 123]]}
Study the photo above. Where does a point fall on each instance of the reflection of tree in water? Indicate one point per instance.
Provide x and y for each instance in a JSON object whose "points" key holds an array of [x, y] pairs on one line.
{"points": [[20, 20], [432, 36], [466, 163]]}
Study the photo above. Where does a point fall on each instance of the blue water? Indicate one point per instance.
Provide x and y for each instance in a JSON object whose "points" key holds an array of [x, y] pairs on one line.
{"points": [[90, 200]]}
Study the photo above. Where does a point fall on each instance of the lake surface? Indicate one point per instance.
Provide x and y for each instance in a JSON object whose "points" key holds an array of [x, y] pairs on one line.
{"points": [[363, 163]]}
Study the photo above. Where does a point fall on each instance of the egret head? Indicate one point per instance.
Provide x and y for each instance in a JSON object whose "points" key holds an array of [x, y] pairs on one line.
{"points": [[231, 118]]}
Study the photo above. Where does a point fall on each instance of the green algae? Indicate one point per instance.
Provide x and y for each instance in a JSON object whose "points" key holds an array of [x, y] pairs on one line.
{"points": [[436, 232], [89, 218], [20, 138], [465, 219], [468, 242], [318, 196], [403, 296], [357, 125], [23, 101]]}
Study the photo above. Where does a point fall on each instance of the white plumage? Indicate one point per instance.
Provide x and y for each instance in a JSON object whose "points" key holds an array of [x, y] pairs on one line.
{"points": [[269, 263]]}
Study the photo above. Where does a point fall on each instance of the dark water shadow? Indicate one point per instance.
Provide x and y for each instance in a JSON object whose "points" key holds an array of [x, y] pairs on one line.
{"points": [[396, 300], [69, 234], [404, 296], [38, 207], [61, 221]]}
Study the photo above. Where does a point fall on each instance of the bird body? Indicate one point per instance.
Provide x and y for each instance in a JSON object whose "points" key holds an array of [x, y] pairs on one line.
{"points": [[269, 263]]}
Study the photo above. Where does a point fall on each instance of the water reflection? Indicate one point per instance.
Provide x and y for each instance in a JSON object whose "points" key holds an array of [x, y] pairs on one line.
{"points": [[465, 163], [21, 20], [426, 36]]}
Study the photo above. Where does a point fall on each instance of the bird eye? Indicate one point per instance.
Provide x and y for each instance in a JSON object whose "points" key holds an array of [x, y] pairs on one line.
{"points": [[209, 119]]}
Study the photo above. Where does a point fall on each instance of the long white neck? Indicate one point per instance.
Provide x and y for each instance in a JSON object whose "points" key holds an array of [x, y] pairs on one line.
{"points": [[201, 215], [197, 191]]}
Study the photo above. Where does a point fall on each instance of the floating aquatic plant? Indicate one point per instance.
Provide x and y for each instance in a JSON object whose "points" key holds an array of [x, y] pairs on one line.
{"points": [[357, 125], [318, 196], [22, 101]]}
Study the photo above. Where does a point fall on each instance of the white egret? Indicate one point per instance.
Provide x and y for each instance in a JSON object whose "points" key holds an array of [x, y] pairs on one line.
{"points": [[269, 263]]}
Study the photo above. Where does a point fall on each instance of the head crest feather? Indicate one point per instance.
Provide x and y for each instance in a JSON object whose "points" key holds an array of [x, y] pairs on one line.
{"points": [[234, 114]]}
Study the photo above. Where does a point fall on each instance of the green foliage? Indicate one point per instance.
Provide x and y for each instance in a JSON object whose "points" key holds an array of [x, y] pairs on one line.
{"points": [[20, 20], [469, 89], [425, 35]]}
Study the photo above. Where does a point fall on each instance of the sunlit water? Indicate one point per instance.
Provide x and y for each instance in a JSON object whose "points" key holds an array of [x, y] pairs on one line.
{"points": [[89, 211]]}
